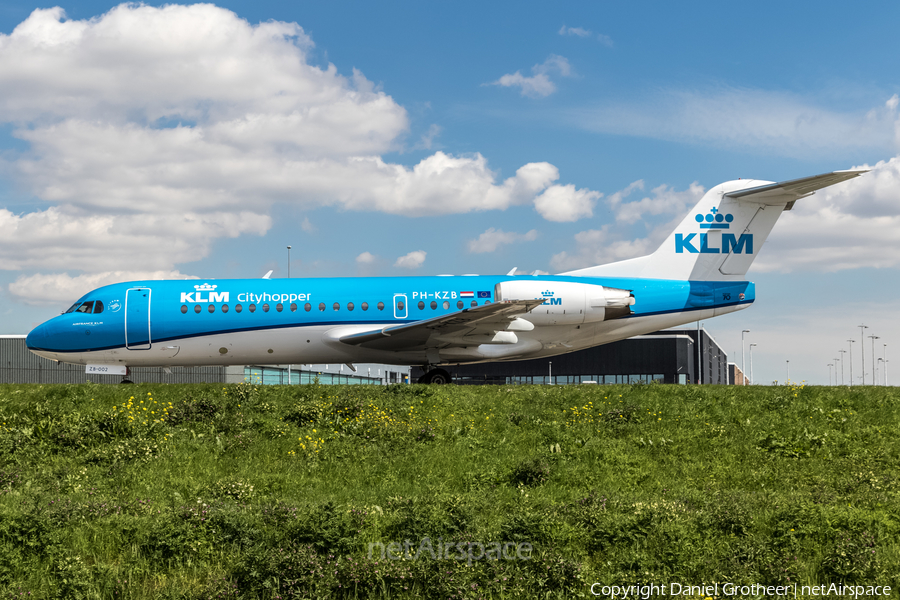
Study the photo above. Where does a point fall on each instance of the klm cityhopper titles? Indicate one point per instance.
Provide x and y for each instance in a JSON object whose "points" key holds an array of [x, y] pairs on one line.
{"points": [[697, 273]]}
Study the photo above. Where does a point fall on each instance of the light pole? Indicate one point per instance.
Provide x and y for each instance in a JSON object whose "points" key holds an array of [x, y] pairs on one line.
{"points": [[743, 366], [699, 364], [874, 364], [829, 372], [835, 370], [851, 361], [862, 351], [843, 352], [550, 372], [881, 360], [751, 363], [788, 371], [289, 276], [884, 358]]}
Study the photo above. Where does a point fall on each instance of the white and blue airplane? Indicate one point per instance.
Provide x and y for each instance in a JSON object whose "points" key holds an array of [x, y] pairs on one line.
{"points": [[697, 273]]}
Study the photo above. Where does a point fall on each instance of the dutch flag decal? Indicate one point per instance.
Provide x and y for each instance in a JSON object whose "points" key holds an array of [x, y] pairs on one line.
{"points": [[467, 294]]}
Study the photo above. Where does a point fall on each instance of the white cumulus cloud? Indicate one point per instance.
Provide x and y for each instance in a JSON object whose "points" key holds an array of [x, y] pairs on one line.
{"points": [[492, 239], [854, 224], [413, 260], [585, 33], [563, 203], [153, 131], [539, 84], [664, 200], [62, 288], [576, 31]]}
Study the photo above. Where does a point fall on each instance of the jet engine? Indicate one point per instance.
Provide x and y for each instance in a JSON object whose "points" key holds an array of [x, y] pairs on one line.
{"points": [[568, 303]]}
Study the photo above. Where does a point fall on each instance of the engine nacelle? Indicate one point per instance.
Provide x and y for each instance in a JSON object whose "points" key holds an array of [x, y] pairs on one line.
{"points": [[567, 303]]}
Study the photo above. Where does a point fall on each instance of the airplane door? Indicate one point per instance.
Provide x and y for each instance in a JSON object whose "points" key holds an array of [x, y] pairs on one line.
{"points": [[137, 319], [400, 308]]}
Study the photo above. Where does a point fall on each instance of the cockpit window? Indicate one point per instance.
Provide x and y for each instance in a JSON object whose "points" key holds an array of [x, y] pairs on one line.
{"points": [[73, 307], [87, 307], [98, 307]]}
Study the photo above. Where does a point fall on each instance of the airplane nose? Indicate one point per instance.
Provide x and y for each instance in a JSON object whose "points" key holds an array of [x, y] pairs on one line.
{"points": [[36, 339]]}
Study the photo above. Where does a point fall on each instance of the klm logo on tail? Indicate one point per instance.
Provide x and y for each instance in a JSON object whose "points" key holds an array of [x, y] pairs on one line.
{"points": [[742, 244]]}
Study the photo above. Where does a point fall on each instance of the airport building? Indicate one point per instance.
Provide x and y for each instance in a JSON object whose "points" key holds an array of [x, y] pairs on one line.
{"points": [[669, 356], [18, 365], [736, 376]]}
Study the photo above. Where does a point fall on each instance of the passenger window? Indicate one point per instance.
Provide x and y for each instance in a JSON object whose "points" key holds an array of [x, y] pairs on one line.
{"points": [[211, 308], [349, 306], [238, 308], [474, 303], [421, 305], [460, 304], [365, 305], [381, 306], [293, 307], [446, 304], [433, 305], [400, 305], [487, 301], [98, 307], [279, 307], [265, 307], [184, 309], [251, 308], [336, 306], [321, 306], [87, 307], [197, 308], [224, 308], [307, 307]]}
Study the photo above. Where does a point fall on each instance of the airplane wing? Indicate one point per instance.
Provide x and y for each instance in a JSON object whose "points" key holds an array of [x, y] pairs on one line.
{"points": [[795, 188], [468, 327]]}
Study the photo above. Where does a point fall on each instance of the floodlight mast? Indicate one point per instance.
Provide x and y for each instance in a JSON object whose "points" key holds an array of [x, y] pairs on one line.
{"points": [[874, 364], [751, 363], [851, 361], [843, 352], [862, 351], [743, 366]]}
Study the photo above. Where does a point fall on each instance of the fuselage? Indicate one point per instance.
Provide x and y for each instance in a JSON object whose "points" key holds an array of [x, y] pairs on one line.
{"points": [[298, 321]]}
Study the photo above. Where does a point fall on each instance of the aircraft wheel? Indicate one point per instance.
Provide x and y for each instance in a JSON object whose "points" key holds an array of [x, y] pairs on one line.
{"points": [[126, 381], [436, 377]]}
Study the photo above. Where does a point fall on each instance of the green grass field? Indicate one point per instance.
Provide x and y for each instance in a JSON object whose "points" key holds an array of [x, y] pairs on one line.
{"points": [[203, 491]]}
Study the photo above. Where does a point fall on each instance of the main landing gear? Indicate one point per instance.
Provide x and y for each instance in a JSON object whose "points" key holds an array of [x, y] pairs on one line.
{"points": [[436, 376]]}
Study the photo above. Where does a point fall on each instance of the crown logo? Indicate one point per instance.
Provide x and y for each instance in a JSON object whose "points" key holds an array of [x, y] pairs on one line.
{"points": [[714, 220], [205, 287], [546, 294]]}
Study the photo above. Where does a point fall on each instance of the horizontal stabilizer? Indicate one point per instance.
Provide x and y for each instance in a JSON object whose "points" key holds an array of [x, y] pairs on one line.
{"points": [[795, 188]]}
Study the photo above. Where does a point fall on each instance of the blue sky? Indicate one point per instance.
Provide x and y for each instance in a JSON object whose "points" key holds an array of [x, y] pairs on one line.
{"points": [[141, 141]]}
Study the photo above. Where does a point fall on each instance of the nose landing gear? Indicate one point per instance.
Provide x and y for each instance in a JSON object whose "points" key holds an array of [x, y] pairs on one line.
{"points": [[436, 376]]}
